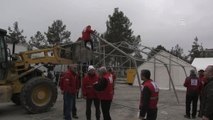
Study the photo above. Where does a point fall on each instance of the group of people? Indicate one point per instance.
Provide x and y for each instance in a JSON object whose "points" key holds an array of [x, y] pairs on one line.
{"points": [[97, 87], [200, 86]]}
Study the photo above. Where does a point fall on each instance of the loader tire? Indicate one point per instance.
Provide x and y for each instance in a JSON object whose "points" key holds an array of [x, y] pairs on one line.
{"points": [[16, 99], [38, 95]]}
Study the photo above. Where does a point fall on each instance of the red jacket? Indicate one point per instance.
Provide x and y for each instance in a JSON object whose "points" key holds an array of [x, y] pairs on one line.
{"points": [[108, 92], [203, 80], [193, 84], [153, 95], [68, 82], [87, 86], [86, 33]]}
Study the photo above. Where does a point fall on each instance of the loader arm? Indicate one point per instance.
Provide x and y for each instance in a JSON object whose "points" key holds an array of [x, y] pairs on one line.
{"points": [[44, 56]]}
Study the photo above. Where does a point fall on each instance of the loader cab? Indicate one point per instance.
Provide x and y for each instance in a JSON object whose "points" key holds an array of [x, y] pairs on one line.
{"points": [[3, 54]]}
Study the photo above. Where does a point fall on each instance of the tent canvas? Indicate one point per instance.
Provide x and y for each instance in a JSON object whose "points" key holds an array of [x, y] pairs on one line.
{"points": [[202, 63], [178, 70]]}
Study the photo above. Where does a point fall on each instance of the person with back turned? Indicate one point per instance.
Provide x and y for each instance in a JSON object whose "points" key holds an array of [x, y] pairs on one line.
{"points": [[149, 97], [193, 86]]}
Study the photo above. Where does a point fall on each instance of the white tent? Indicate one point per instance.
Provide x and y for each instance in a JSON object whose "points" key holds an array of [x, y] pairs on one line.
{"points": [[202, 63], [177, 68]]}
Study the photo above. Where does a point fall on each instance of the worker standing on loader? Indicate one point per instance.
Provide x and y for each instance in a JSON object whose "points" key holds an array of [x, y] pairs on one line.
{"points": [[68, 88], [149, 97], [86, 36]]}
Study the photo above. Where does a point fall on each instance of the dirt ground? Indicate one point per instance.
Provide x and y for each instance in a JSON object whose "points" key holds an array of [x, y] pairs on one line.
{"points": [[124, 107]]}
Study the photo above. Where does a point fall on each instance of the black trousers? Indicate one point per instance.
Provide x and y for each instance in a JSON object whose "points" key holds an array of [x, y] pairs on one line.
{"points": [[74, 109], [68, 104], [105, 107], [191, 98], [97, 108], [151, 114]]}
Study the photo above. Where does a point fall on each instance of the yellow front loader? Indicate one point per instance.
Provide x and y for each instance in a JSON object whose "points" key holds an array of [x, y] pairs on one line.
{"points": [[22, 82]]}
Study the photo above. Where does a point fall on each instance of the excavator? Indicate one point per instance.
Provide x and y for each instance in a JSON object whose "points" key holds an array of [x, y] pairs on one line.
{"points": [[21, 80]]}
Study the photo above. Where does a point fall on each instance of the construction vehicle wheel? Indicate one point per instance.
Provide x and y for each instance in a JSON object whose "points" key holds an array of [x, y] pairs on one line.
{"points": [[16, 99], [38, 95]]}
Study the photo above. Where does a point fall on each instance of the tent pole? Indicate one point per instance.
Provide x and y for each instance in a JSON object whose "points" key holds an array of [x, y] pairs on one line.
{"points": [[170, 68], [184, 70], [154, 69], [138, 76], [172, 83]]}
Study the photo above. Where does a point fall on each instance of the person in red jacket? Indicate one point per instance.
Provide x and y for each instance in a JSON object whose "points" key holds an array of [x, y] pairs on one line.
{"points": [[203, 81], [86, 36], [193, 85], [105, 88], [149, 97], [68, 88], [90, 94]]}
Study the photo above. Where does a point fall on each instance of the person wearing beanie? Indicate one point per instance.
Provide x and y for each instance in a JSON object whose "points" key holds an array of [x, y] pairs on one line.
{"points": [[90, 94]]}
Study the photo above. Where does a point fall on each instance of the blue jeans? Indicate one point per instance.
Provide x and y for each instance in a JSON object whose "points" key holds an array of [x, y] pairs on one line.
{"points": [[68, 104]]}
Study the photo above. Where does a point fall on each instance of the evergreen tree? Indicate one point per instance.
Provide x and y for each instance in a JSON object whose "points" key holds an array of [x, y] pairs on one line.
{"points": [[155, 50], [196, 51], [16, 34], [136, 44], [57, 33], [38, 40], [118, 30], [177, 51]]}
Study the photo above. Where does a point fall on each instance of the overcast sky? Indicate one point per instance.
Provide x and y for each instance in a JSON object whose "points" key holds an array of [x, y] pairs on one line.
{"points": [[159, 22]]}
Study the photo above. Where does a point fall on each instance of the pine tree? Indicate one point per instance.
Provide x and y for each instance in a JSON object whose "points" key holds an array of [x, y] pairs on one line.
{"points": [[155, 50], [38, 40], [196, 51], [177, 51], [16, 34], [118, 30], [57, 33]]}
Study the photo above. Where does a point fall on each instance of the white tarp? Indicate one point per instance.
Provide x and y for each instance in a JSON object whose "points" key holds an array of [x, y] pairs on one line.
{"points": [[160, 74], [202, 63]]}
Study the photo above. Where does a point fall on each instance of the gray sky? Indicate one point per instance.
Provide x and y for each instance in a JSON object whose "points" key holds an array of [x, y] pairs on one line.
{"points": [[165, 22]]}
